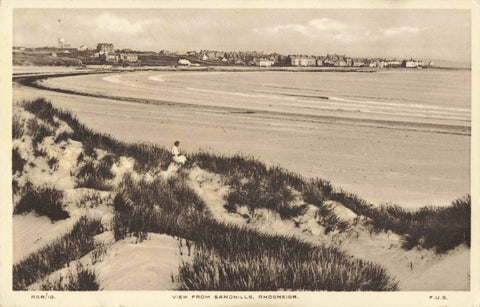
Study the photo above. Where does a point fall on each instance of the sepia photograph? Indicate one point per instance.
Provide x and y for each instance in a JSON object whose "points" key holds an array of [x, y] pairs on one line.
{"points": [[240, 155]]}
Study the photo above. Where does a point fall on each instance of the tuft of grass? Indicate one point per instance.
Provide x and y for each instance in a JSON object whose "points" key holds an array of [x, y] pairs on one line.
{"points": [[149, 156], [72, 246], [43, 201], [229, 258], [52, 162], [62, 137], [94, 174], [169, 207], [91, 200], [257, 193], [83, 279], [438, 228], [17, 161], [38, 131], [17, 127], [210, 272], [43, 110]]}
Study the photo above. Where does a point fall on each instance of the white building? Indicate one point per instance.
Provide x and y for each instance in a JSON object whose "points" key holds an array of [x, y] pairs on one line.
{"points": [[265, 63], [128, 57], [184, 62], [111, 57], [411, 64]]}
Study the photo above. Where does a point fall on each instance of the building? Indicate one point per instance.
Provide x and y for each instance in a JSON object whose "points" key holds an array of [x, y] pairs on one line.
{"points": [[410, 63], [104, 48], [335, 60], [303, 60], [111, 57], [265, 62], [358, 63], [128, 57], [294, 60], [393, 63], [424, 64], [341, 62], [205, 57], [184, 62], [308, 61], [320, 61]]}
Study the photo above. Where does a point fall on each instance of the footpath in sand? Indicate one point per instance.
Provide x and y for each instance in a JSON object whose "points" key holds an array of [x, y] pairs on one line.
{"points": [[416, 269]]}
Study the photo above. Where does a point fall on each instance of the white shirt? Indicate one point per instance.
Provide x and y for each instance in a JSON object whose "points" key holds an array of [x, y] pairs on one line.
{"points": [[175, 151]]}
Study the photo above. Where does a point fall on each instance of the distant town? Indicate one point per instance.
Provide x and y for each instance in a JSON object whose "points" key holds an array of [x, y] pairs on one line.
{"points": [[106, 54]]}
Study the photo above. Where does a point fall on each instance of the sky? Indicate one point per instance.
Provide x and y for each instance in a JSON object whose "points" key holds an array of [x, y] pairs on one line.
{"points": [[406, 33]]}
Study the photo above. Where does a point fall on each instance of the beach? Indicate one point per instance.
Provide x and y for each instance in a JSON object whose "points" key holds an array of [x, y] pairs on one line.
{"points": [[388, 142]]}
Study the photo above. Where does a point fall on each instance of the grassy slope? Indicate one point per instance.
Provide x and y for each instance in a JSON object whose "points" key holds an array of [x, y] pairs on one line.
{"points": [[232, 258], [441, 228], [74, 245]]}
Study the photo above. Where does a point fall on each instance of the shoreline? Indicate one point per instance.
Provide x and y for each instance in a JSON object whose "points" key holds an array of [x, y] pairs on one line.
{"points": [[329, 153], [93, 69], [32, 81]]}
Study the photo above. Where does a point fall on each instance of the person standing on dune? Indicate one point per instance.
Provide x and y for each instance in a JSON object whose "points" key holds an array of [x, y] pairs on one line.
{"points": [[177, 157]]}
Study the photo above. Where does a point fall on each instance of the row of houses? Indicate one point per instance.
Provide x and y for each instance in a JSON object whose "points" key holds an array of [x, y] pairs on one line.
{"points": [[343, 61]]}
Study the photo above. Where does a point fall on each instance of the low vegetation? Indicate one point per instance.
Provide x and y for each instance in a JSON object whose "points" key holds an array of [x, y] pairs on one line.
{"points": [[38, 59], [226, 257], [72, 246], [43, 201], [17, 161], [82, 279], [17, 127], [440, 228], [235, 258], [147, 156], [38, 131], [256, 193], [95, 173]]}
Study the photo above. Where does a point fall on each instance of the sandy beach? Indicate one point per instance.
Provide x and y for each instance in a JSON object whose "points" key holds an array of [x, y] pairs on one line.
{"points": [[377, 156]]}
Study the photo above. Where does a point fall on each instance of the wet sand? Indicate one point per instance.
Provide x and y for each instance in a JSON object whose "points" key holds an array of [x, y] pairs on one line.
{"points": [[410, 167]]}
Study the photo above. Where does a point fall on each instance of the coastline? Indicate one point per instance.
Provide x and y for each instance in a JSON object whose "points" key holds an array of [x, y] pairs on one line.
{"points": [[92, 69], [32, 81], [330, 154]]}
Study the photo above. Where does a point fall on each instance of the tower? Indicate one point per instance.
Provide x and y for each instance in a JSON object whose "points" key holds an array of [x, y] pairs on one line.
{"points": [[61, 42]]}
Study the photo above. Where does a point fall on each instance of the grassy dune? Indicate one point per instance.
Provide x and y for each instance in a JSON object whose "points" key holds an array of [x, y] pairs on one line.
{"points": [[226, 257], [72, 246], [235, 258], [441, 228]]}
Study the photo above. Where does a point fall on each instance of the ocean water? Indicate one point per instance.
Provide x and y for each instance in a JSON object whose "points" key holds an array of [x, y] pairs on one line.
{"points": [[416, 95]]}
